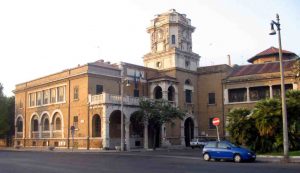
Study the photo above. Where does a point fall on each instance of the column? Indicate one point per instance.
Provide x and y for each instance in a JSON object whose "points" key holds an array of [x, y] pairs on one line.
{"points": [[182, 133], [105, 132], [51, 130], [248, 94], [127, 137], [295, 86], [40, 130], [271, 91], [226, 96], [165, 94], [146, 135]]}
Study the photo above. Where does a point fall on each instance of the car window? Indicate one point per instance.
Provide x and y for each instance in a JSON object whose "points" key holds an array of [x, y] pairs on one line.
{"points": [[211, 144], [223, 145]]}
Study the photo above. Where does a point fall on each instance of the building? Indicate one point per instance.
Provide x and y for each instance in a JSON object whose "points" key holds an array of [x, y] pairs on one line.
{"points": [[88, 98]]}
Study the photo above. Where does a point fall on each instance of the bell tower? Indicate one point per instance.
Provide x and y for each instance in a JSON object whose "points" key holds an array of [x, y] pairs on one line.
{"points": [[171, 42]]}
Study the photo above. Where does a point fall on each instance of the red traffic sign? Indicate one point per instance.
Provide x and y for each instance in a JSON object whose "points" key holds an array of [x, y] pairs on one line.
{"points": [[216, 121]]}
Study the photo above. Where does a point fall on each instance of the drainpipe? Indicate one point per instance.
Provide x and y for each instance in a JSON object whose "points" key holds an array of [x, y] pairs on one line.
{"points": [[69, 109], [24, 123]]}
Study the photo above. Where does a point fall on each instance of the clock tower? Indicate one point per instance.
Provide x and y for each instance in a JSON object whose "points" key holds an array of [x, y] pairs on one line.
{"points": [[171, 42]]}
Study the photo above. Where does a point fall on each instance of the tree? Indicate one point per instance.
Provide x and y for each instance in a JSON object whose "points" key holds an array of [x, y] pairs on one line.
{"points": [[158, 112], [296, 70], [241, 127], [262, 130], [7, 112]]}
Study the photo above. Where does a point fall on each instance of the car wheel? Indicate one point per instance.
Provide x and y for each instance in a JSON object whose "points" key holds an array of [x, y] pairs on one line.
{"points": [[206, 157], [192, 147], [237, 158]]}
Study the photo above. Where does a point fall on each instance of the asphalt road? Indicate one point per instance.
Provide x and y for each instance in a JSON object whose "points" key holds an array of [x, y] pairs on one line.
{"points": [[182, 161]]}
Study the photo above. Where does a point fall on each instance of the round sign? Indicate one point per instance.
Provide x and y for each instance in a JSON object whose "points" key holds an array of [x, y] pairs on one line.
{"points": [[216, 121]]}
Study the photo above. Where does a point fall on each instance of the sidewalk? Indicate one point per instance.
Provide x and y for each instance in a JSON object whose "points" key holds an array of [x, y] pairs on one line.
{"points": [[259, 158]]}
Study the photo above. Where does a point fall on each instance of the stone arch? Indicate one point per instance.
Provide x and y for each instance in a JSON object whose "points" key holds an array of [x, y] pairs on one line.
{"points": [[195, 128], [171, 93], [136, 129], [45, 121], [115, 128], [157, 92], [188, 130], [34, 125], [57, 116], [19, 124], [187, 82], [19, 117]]}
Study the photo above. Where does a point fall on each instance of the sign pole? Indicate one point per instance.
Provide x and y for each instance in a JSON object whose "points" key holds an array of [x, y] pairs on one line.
{"points": [[216, 122], [218, 133]]}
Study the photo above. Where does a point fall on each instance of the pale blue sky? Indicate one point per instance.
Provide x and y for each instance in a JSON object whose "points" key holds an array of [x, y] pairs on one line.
{"points": [[40, 37]]}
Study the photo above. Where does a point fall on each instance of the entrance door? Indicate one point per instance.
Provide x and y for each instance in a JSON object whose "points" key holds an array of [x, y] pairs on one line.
{"points": [[188, 131]]}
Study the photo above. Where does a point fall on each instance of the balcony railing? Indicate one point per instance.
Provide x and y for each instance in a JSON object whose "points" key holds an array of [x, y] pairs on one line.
{"points": [[106, 98], [113, 99]]}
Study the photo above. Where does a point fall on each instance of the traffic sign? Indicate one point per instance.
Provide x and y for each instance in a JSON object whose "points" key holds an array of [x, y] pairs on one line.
{"points": [[216, 121]]}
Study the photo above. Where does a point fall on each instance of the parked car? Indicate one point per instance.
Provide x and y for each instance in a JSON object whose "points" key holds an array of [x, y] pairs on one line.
{"points": [[218, 150], [198, 142]]}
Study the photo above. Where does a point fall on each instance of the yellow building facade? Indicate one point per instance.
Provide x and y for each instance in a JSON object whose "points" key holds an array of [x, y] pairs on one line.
{"points": [[81, 107]]}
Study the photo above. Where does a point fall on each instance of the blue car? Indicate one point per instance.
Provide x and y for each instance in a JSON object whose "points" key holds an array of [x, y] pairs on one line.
{"points": [[218, 150]]}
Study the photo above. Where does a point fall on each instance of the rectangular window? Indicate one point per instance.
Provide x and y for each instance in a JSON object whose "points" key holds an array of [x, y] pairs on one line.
{"points": [[75, 122], [39, 98], [211, 98], [237, 95], [259, 93], [99, 89], [277, 89], [46, 97], [60, 94], [53, 95], [173, 39], [210, 124], [76, 93], [188, 96], [32, 99], [136, 93]]}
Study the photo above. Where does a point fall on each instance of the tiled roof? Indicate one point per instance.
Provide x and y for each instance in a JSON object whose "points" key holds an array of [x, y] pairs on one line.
{"points": [[270, 51], [253, 69]]}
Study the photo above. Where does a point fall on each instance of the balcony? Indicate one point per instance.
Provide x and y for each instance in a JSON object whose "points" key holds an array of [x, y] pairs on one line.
{"points": [[106, 98]]}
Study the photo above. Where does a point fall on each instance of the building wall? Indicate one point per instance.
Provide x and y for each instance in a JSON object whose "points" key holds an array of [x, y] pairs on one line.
{"points": [[210, 81]]}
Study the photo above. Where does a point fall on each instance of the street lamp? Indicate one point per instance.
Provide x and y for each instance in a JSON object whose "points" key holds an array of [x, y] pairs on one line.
{"points": [[122, 103], [283, 102]]}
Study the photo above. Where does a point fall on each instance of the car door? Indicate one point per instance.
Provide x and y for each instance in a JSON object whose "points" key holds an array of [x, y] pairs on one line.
{"points": [[211, 148], [224, 150]]}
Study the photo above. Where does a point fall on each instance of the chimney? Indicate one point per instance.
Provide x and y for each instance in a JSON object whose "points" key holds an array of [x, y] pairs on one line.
{"points": [[229, 60]]}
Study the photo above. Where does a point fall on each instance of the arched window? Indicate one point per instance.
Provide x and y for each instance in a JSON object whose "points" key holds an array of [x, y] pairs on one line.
{"points": [[19, 125], [158, 92], [187, 82], [46, 124], [96, 126], [35, 124], [171, 93], [57, 125]]}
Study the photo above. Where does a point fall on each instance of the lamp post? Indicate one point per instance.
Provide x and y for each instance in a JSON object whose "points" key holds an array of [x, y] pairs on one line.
{"points": [[122, 105], [283, 101]]}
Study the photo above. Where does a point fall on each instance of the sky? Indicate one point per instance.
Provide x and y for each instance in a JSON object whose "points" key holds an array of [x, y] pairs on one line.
{"points": [[39, 37]]}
